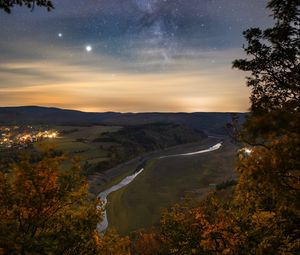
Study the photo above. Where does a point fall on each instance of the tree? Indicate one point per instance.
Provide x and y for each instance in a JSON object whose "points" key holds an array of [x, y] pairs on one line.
{"points": [[7, 5], [274, 121], [268, 190], [47, 210], [266, 199], [206, 228], [275, 73], [147, 243], [264, 214], [182, 229]]}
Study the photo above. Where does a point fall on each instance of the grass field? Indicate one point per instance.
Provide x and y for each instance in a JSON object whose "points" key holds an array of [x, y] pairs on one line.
{"points": [[102, 148], [78, 141], [163, 183]]}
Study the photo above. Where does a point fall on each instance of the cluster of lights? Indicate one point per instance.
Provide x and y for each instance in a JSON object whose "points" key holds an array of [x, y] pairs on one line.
{"points": [[22, 136], [246, 151], [48, 134]]}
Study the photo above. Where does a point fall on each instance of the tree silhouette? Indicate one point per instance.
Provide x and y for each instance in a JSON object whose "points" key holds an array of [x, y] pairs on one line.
{"points": [[268, 191], [7, 5], [263, 216], [275, 71]]}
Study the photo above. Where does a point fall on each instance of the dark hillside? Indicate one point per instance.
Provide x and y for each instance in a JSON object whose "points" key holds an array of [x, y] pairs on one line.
{"points": [[205, 121], [133, 141]]}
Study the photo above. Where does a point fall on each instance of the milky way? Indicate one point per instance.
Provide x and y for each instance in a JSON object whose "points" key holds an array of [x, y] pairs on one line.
{"points": [[126, 37]]}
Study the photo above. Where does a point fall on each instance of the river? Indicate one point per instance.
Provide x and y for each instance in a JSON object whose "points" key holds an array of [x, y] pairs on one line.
{"points": [[102, 226]]}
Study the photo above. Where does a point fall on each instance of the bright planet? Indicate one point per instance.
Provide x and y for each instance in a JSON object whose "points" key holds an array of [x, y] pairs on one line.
{"points": [[88, 48]]}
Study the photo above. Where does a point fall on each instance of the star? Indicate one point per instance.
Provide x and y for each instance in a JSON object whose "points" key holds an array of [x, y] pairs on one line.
{"points": [[88, 48], [59, 34]]}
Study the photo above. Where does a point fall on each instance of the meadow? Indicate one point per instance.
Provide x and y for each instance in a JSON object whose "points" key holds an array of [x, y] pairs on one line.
{"points": [[163, 182], [78, 141], [108, 153], [167, 181]]}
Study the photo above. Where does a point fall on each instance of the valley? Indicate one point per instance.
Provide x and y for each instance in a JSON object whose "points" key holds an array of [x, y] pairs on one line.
{"points": [[169, 180], [167, 151]]}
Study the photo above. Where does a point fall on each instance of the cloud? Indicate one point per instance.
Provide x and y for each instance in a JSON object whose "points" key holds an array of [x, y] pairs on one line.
{"points": [[147, 55], [78, 87]]}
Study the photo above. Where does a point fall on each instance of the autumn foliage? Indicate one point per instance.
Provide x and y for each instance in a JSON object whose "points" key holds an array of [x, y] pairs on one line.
{"points": [[263, 216], [46, 209]]}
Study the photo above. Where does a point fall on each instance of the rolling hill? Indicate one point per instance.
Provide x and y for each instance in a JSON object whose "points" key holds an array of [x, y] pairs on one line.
{"points": [[205, 121]]}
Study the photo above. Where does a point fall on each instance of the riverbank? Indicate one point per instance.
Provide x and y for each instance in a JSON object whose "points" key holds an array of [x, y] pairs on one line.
{"points": [[165, 182], [116, 197]]}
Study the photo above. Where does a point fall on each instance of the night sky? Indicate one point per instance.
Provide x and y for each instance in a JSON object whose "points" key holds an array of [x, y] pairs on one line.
{"points": [[128, 55]]}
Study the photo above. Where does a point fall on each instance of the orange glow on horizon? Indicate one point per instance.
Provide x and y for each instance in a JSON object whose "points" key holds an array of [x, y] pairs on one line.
{"points": [[188, 88]]}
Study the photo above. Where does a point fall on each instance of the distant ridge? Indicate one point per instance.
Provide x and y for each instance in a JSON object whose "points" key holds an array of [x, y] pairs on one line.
{"points": [[206, 121]]}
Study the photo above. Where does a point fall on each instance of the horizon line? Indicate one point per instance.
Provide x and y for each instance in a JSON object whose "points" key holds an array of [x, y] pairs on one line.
{"points": [[127, 112]]}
